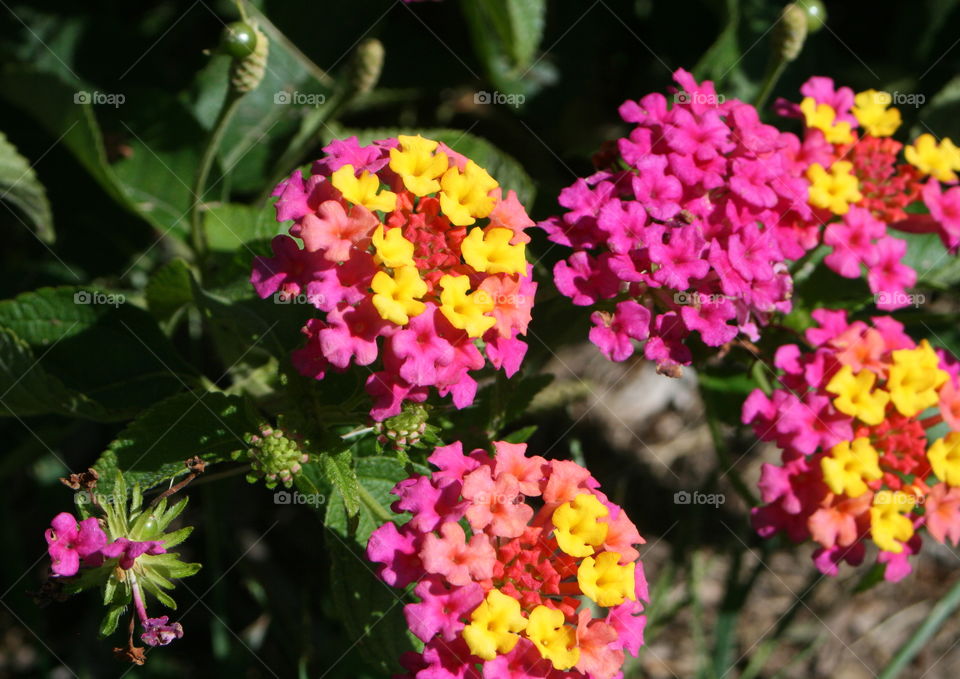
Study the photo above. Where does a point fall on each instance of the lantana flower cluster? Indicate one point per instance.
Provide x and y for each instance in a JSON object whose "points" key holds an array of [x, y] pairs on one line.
{"points": [[416, 259], [123, 551], [860, 185], [522, 568], [677, 232], [861, 460]]}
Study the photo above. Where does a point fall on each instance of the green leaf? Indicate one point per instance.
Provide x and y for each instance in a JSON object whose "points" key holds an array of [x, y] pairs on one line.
{"points": [[230, 227], [152, 449], [506, 36], [19, 185], [99, 345], [26, 388], [935, 267], [169, 289], [163, 143], [501, 166], [377, 476], [339, 470], [371, 610]]}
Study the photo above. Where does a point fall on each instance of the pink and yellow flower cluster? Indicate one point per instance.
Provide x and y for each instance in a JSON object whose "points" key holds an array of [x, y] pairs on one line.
{"points": [[861, 459], [860, 186], [523, 568], [415, 257]]}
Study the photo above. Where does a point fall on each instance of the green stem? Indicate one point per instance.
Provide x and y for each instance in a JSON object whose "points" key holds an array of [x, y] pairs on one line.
{"points": [[774, 71], [197, 234], [906, 653]]}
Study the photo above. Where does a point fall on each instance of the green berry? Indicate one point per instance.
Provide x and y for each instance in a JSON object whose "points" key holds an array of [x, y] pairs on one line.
{"points": [[238, 39], [816, 14]]}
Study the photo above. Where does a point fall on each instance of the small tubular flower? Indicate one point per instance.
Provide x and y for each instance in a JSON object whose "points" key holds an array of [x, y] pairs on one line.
{"points": [[465, 195], [822, 117], [872, 112], [834, 189], [856, 466], [578, 527], [856, 396], [556, 641], [465, 311], [491, 251], [915, 378], [849, 465], [397, 297], [400, 286], [363, 190], [944, 456], [494, 626], [417, 164], [888, 525], [510, 598], [939, 160]]}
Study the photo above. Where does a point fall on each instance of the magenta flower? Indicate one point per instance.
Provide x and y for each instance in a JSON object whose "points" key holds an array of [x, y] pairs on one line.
{"points": [[128, 550], [70, 543]]}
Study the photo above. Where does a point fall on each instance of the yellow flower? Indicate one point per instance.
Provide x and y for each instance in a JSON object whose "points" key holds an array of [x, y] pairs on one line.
{"points": [[392, 249], [465, 195], [466, 312], [396, 297], [491, 252], [939, 160], [363, 190], [823, 117], [870, 109], [888, 525], [494, 626], [555, 641], [854, 396], [833, 190], [417, 165], [944, 456], [915, 378], [577, 525], [845, 469], [605, 581]]}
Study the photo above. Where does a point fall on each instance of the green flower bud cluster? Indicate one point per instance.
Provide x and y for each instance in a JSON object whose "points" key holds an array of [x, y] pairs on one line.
{"points": [[274, 457]]}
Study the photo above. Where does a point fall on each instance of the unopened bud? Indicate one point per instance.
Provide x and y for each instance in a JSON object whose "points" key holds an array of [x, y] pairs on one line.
{"points": [[246, 72], [790, 32], [366, 65]]}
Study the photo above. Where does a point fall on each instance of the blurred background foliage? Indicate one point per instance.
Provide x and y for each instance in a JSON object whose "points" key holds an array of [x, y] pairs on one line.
{"points": [[117, 180]]}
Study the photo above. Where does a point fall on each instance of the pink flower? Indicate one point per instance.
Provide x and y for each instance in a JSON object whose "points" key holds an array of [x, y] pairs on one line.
{"points": [[944, 207], [614, 334], [421, 350], [397, 550], [823, 91], [458, 560], [854, 242], [889, 277], [128, 550], [942, 514], [335, 232], [496, 503], [160, 631], [70, 542], [441, 610]]}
